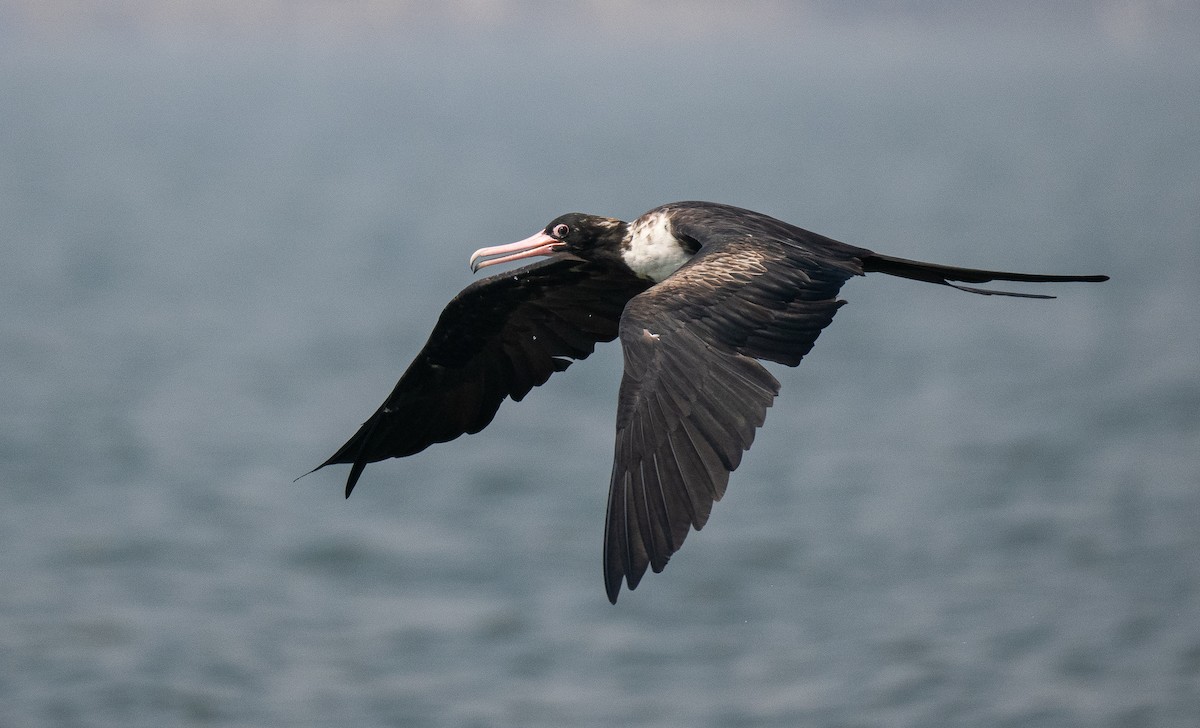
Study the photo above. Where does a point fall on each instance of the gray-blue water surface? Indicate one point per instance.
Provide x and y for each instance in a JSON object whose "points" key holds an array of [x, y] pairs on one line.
{"points": [[218, 257]]}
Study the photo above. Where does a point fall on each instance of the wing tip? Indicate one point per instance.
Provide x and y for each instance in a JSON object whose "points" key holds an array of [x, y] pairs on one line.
{"points": [[356, 470], [613, 575], [305, 475], [613, 592], [613, 581]]}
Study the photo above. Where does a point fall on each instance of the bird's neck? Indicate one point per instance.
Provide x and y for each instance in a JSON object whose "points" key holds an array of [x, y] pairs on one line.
{"points": [[651, 250]]}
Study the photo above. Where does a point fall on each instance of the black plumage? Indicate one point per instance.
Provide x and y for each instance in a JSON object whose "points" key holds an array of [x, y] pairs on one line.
{"points": [[500, 337], [698, 292]]}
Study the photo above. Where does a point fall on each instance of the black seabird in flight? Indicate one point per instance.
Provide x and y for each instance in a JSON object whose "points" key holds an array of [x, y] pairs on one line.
{"points": [[698, 292]]}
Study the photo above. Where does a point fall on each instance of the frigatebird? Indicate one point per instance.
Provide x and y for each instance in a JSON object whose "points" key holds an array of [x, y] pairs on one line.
{"points": [[698, 292]]}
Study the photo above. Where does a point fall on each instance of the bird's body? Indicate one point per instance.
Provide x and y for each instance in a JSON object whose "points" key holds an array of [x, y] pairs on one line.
{"points": [[697, 292]]}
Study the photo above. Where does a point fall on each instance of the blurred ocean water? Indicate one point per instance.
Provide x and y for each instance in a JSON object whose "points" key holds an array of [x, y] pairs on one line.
{"points": [[217, 258]]}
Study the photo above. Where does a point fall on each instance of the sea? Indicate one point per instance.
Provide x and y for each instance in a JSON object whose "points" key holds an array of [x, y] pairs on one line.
{"points": [[219, 251]]}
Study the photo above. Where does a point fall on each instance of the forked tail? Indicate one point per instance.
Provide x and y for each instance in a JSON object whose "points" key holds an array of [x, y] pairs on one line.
{"points": [[943, 274]]}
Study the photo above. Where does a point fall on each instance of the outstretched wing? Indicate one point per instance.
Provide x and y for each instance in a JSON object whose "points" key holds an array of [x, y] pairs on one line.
{"points": [[500, 337], [692, 394]]}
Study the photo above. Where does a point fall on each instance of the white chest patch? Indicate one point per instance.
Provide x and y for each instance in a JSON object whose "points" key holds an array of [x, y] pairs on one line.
{"points": [[653, 252]]}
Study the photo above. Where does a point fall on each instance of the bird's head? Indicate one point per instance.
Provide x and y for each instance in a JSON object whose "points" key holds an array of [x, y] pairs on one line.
{"points": [[589, 237]]}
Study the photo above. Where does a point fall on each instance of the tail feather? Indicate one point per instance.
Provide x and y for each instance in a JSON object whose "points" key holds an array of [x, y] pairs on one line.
{"points": [[943, 274]]}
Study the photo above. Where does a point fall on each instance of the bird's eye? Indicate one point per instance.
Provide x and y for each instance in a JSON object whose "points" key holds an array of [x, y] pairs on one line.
{"points": [[561, 230]]}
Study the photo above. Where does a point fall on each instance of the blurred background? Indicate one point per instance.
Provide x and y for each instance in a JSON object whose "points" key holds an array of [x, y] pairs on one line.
{"points": [[226, 228]]}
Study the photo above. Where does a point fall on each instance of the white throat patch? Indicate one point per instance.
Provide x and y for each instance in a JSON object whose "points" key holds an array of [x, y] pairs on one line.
{"points": [[653, 252]]}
